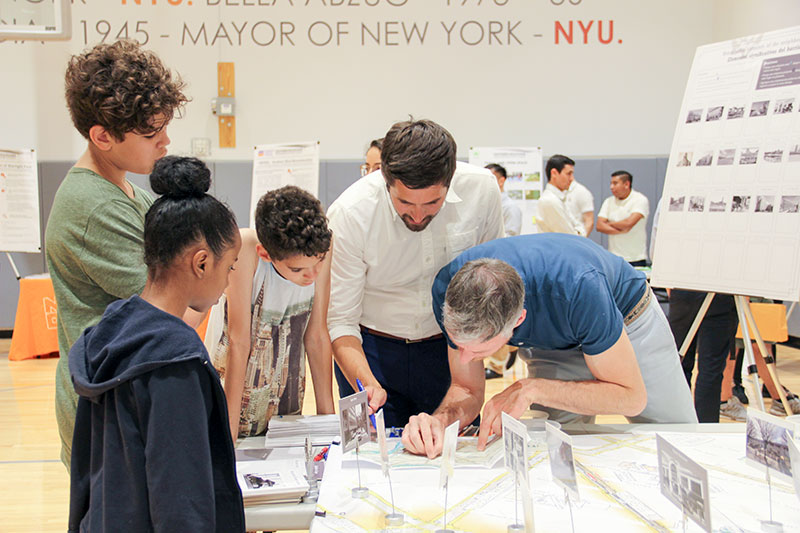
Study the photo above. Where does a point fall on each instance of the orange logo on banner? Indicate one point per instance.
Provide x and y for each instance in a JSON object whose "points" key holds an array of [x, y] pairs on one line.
{"points": [[50, 312]]}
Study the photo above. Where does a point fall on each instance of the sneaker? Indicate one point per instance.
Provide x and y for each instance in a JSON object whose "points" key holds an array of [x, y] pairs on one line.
{"points": [[733, 409], [739, 392], [777, 406]]}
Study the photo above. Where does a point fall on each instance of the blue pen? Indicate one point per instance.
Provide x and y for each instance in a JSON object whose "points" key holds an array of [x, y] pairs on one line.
{"points": [[361, 388]]}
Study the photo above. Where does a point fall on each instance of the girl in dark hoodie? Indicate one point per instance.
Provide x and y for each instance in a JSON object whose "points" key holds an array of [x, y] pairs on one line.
{"points": [[152, 449]]}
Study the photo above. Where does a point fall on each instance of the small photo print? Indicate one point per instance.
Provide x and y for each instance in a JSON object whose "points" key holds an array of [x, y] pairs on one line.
{"points": [[765, 204], [790, 204], [516, 176], [735, 112], [532, 194], [783, 106], [773, 156], [696, 203], [258, 481], [705, 159], [740, 204], [676, 203], [694, 115], [748, 156], [794, 153], [562, 463], [714, 113], [515, 194], [684, 159], [726, 156], [515, 452], [716, 205], [768, 442], [683, 482], [759, 109], [353, 419], [532, 176]]}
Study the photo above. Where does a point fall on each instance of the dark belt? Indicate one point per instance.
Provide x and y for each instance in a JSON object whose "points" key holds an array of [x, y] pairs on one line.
{"points": [[365, 329]]}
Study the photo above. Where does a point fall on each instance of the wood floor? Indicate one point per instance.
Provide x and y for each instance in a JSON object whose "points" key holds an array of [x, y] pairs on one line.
{"points": [[35, 485]]}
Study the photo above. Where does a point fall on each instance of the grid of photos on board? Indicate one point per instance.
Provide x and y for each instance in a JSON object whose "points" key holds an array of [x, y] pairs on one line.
{"points": [[731, 204]]}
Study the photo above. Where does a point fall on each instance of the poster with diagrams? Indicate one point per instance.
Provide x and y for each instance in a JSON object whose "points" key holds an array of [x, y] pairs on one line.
{"points": [[524, 177], [730, 211], [19, 202], [276, 165]]}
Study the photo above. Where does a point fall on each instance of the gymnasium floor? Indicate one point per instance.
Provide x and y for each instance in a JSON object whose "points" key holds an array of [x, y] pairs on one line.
{"points": [[35, 484]]}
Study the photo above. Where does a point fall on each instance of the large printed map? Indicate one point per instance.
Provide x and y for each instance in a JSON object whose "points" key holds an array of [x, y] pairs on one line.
{"points": [[617, 479]]}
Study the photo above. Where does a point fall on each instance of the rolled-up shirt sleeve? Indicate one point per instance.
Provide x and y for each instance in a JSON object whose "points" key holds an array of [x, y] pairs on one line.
{"points": [[348, 275]]}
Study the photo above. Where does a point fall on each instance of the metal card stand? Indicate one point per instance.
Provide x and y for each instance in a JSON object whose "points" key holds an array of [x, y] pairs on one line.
{"points": [[13, 266], [359, 492]]}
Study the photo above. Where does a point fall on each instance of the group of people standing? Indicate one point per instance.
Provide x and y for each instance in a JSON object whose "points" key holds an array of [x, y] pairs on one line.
{"points": [[407, 284]]}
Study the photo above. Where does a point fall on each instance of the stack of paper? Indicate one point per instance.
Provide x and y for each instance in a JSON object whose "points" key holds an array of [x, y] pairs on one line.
{"points": [[293, 431], [271, 481]]}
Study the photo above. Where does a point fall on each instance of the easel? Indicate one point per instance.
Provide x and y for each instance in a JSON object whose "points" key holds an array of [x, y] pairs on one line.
{"points": [[746, 319]]}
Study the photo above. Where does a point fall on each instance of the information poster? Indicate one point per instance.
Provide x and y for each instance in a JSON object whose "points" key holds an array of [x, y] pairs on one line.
{"points": [[276, 165], [730, 220], [524, 181], [19, 202]]}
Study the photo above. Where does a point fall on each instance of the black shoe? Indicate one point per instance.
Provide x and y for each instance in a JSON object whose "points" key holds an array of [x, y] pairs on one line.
{"points": [[738, 391], [511, 358], [491, 374]]}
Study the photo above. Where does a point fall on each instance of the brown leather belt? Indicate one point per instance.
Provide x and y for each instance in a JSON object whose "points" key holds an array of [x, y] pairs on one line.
{"points": [[365, 329], [639, 308]]}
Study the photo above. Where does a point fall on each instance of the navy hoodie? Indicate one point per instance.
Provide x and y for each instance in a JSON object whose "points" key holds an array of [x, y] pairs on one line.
{"points": [[152, 449]]}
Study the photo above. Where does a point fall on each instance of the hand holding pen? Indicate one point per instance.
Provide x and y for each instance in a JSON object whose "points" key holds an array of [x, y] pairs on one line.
{"points": [[371, 416]]}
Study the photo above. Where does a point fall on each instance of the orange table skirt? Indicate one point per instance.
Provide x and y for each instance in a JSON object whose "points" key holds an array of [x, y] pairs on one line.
{"points": [[35, 332]]}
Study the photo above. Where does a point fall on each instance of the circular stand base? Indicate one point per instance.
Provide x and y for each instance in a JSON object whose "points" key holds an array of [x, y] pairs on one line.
{"points": [[514, 528], [394, 519], [769, 526], [360, 492]]}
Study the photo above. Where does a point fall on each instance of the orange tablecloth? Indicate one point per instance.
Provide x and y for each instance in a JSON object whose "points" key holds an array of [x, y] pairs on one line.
{"points": [[35, 333], [771, 322]]}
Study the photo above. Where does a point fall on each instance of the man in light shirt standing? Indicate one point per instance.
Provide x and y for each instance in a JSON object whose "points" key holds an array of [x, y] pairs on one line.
{"points": [[393, 230], [623, 217], [554, 216], [512, 214], [580, 204]]}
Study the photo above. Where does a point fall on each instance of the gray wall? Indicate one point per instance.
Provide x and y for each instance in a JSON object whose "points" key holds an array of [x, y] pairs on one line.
{"points": [[231, 184]]}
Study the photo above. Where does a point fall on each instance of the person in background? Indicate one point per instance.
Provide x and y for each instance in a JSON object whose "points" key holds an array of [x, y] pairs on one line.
{"points": [[580, 204], [394, 229], [373, 157], [151, 449], [121, 99], [554, 216], [512, 214], [623, 217], [274, 313]]}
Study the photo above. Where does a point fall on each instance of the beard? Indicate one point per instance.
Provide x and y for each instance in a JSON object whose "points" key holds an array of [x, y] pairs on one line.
{"points": [[414, 226]]}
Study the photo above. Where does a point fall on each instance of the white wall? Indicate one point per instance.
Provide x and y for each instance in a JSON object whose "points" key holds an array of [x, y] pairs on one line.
{"points": [[582, 99]]}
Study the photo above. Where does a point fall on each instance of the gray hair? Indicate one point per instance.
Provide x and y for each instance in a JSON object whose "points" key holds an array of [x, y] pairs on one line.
{"points": [[483, 300]]}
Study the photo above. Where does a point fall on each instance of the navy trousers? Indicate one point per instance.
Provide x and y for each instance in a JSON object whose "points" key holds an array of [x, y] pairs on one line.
{"points": [[415, 375]]}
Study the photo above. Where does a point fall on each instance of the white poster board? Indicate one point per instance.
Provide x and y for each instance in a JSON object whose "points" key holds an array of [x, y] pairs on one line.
{"points": [[524, 180], [276, 165], [19, 202], [730, 220]]}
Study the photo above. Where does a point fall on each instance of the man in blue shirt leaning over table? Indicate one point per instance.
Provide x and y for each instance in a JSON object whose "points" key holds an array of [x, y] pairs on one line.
{"points": [[599, 342]]}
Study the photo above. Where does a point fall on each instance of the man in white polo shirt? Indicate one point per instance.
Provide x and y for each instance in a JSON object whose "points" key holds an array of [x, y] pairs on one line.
{"points": [[623, 217], [392, 231], [553, 214], [580, 204]]}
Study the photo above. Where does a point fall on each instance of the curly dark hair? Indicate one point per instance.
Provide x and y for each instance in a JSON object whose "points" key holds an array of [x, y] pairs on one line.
{"points": [[290, 221], [121, 87]]}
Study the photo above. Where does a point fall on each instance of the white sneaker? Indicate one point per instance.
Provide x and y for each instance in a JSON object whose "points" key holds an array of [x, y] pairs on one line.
{"points": [[733, 409], [777, 406]]}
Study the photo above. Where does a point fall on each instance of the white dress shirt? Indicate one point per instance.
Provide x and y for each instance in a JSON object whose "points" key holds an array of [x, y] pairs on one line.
{"points": [[553, 216], [632, 245], [579, 200], [382, 272], [512, 215]]}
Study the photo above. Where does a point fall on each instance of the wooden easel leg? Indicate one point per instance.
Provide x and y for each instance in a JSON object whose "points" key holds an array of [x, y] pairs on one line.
{"points": [[768, 359], [701, 313], [752, 371]]}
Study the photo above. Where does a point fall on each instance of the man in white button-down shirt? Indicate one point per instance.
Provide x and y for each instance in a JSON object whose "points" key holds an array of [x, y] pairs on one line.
{"points": [[393, 231]]}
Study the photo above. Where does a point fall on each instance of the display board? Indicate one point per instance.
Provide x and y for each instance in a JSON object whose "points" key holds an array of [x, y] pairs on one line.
{"points": [[276, 165], [19, 202], [730, 218], [35, 19], [524, 180]]}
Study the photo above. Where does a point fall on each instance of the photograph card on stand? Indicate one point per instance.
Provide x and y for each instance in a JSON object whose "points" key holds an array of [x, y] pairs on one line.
{"points": [[562, 464], [448, 453], [354, 421], [794, 457], [684, 483], [515, 443], [767, 443]]}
